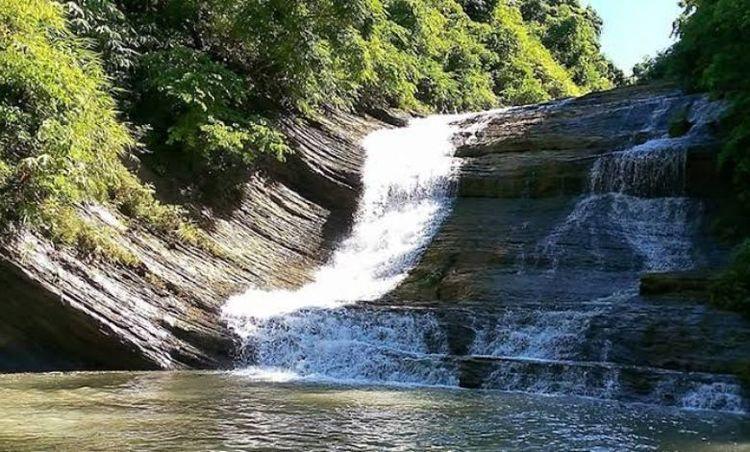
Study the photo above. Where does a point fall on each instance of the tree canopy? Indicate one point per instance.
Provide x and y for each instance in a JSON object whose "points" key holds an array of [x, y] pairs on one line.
{"points": [[200, 84]]}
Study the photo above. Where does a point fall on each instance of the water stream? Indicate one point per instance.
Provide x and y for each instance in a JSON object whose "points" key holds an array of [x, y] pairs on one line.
{"points": [[408, 177], [635, 218]]}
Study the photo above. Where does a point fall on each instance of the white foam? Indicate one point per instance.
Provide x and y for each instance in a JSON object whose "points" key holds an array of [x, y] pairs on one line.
{"points": [[350, 345], [719, 396], [407, 177]]}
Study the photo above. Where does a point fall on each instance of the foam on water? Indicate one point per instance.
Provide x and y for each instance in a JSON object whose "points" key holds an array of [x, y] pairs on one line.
{"points": [[350, 345], [534, 334], [720, 396], [635, 214]]}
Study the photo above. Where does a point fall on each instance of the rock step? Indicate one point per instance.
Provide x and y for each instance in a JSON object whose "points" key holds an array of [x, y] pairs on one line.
{"points": [[633, 384], [628, 332], [599, 380]]}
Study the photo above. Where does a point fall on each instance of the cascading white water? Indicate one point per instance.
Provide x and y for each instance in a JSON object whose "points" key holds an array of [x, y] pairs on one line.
{"points": [[640, 193], [315, 332], [635, 214], [636, 217], [408, 178]]}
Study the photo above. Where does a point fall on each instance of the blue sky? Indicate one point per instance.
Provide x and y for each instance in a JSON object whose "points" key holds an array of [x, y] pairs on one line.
{"points": [[634, 29]]}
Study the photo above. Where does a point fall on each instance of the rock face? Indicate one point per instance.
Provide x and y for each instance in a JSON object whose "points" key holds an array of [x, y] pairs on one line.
{"points": [[532, 284], [62, 312], [561, 209]]}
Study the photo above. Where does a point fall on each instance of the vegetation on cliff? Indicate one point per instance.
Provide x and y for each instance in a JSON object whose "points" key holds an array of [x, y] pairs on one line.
{"points": [[196, 87], [61, 142], [713, 54]]}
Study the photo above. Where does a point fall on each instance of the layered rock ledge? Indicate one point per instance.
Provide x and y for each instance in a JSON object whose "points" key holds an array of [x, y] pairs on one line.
{"points": [[63, 312], [561, 209]]}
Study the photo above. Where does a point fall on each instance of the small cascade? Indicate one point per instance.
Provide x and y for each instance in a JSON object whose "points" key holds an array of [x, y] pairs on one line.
{"points": [[636, 206], [553, 334], [653, 169], [352, 345], [641, 234], [408, 178], [635, 218], [694, 391]]}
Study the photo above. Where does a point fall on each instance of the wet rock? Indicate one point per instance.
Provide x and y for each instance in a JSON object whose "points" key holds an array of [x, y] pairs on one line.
{"points": [[563, 211], [548, 150], [64, 312]]}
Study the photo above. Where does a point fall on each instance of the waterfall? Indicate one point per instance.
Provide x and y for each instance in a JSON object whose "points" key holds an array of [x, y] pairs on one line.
{"points": [[408, 178], [655, 168], [634, 218], [637, 196]]}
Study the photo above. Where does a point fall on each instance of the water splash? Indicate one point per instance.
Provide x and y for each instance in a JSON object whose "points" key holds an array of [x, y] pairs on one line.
{"points": [[408, 177], [655, 168], [350, 345], [534, 334], [721, 396]]}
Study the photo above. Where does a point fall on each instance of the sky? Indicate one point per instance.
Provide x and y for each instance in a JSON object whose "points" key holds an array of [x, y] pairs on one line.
{"points": [[634, 29]]}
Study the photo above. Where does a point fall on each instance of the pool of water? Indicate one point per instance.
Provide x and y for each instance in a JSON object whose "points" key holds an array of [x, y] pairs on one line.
{"points": [[227, 411]]}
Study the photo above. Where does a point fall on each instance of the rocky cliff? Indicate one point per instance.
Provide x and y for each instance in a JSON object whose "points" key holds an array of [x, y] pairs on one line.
{"points": [[532, 284], [561, 209], [61, 311]]}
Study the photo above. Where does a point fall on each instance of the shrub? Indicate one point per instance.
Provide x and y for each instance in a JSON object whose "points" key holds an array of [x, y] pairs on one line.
{"points": [[60, 134], [196, 107], [62, 141]]}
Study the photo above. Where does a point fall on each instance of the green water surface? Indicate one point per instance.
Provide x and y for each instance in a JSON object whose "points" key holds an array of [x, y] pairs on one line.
{"points": [[188, 411]]}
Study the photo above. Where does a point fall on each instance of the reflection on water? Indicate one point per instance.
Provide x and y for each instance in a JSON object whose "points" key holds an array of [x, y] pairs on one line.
{"points": [[222, 411]]}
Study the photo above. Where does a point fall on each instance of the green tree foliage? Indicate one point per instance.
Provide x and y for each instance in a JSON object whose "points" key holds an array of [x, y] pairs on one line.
{"points": [[204, 75], [424, 55], [479, 10], [427, 55], [714, 54], [197, 106], [202, 82], [61, 142], [115, 38], [651, 68], [572, 33], [523, 70]]}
